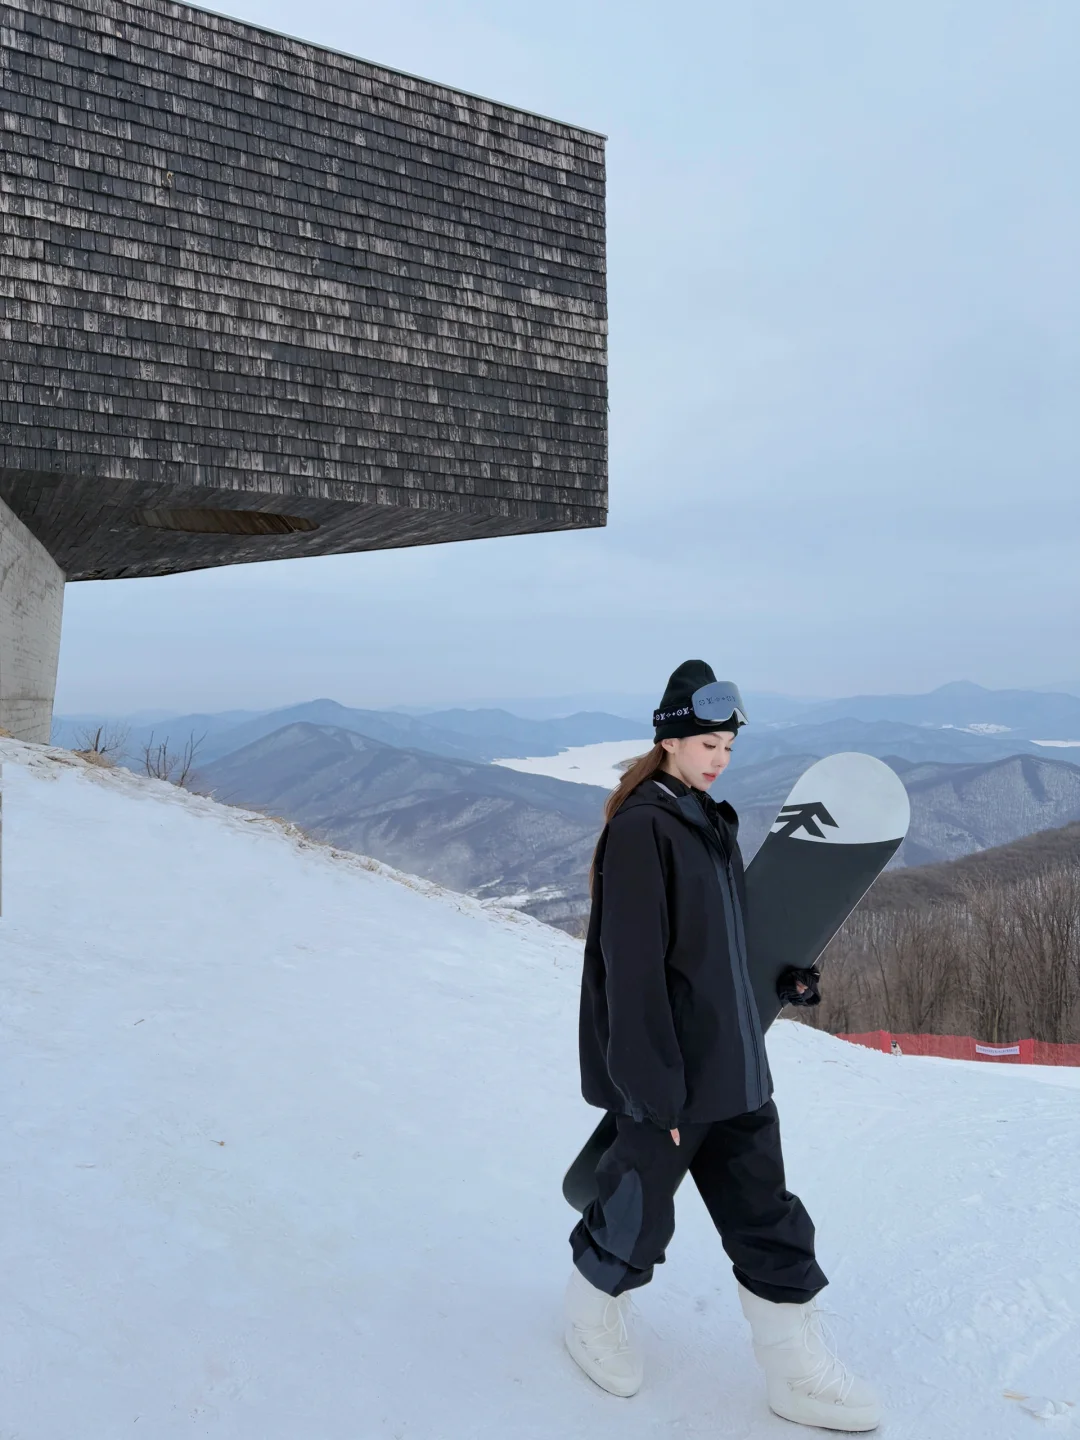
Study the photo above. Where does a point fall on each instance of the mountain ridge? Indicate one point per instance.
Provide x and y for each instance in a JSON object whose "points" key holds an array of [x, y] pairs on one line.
{"points": [[959, 704], [944, 881], [479, 735], [475, 827], [493, 831]]}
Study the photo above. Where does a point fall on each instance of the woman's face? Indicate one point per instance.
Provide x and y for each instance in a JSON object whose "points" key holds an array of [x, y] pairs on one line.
{"points": [[698, 759]]}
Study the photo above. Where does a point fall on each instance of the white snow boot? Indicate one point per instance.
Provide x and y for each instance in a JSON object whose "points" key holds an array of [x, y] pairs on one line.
{"points": [[805, 1381], [599, 1337]]}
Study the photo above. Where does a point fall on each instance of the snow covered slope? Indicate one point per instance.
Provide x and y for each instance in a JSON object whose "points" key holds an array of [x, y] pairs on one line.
{"points": [[585, 764], [284, 1132]]}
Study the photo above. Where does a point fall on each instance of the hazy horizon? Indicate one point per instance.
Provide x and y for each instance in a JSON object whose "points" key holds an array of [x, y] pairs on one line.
{"points": [[845, 354], [548, 706]]}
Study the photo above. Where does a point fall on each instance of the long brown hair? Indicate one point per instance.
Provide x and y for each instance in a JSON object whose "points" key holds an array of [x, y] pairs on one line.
{"points": [[643, 768]]}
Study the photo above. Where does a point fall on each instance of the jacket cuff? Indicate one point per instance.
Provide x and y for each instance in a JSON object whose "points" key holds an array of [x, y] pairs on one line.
{"points": [[640, 1114]]}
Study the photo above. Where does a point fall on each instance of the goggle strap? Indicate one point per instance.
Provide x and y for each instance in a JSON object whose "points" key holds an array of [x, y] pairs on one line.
{"points": [[660, 717]]}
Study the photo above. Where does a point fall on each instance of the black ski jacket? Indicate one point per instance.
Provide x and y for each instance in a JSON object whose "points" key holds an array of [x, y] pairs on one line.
{"points": [[669, 1031]]}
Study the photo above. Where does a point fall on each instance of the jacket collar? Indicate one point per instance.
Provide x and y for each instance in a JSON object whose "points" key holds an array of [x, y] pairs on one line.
{"points": [[695, 806]]}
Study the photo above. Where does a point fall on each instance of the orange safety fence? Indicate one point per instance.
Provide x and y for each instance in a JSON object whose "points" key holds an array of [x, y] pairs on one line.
{"points": [[963, 1047]]}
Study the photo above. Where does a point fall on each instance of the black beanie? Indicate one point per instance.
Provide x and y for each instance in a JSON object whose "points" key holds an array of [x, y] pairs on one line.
{"points": [[690, 676]]}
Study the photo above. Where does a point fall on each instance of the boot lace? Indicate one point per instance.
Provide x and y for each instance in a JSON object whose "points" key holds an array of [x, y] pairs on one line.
{"points": [[614, 1330], [830, 1373]]}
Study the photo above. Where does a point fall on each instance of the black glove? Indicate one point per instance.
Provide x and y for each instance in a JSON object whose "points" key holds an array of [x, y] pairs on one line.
{"points": [[788, 983]]}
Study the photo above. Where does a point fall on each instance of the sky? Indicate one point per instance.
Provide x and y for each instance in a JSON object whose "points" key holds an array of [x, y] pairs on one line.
{"points": [[844, 369]]}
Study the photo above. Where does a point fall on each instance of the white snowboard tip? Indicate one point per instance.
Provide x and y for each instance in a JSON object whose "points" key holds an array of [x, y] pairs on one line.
{"points": [[846, 799]]}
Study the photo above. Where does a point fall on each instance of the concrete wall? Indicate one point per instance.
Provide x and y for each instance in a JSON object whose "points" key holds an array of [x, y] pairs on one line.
{"points": [[31, 606]]}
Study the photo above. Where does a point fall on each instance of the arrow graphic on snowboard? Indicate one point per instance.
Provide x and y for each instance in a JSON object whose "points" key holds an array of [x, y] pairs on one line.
{"points": [[804, 817]]}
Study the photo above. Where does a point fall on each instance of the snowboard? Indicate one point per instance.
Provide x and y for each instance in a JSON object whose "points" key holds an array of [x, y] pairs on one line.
{"points": [[841, 824]]}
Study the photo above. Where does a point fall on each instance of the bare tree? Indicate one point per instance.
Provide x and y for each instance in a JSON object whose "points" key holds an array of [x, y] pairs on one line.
{"points": [[109, 741], [878, 933], [927, 955], [1046, 913], [176, 766], [990, 969], [1000, 962], [842, 989]]}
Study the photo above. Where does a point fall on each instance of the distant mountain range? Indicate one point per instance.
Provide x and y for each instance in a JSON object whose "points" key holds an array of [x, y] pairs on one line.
{"points": [[958, 723], [960, 809], [764, 707], [499, 833], [1028, 714], [1050, 713], [474, 827], [416, 789], [457, 734], [881, 738]]}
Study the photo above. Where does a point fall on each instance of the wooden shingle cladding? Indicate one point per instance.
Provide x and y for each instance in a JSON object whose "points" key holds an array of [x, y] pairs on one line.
{"points": [[239, 271]]}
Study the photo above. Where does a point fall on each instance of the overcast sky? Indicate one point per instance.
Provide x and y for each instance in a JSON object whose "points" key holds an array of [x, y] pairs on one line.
{"points": [[845, 370]]}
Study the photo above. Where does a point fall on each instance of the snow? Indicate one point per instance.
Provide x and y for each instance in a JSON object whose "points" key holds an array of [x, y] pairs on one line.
{"points": [[284, 1131], [979, 728], [586, 764], [1063, 744]]}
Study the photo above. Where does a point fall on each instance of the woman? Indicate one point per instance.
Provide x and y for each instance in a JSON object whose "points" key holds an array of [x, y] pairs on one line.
{"points": [[671, 1042]]}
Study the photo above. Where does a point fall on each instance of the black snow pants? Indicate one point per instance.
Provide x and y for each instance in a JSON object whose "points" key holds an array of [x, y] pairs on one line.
{"points": [[738, 1167]]}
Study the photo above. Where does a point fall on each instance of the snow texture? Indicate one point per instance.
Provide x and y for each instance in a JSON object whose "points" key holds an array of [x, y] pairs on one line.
{"points": [[284, 1137], [583, 764]]}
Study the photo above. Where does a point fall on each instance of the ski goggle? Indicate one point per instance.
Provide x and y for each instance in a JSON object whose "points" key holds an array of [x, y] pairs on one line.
{"points": [[711, 705]]}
